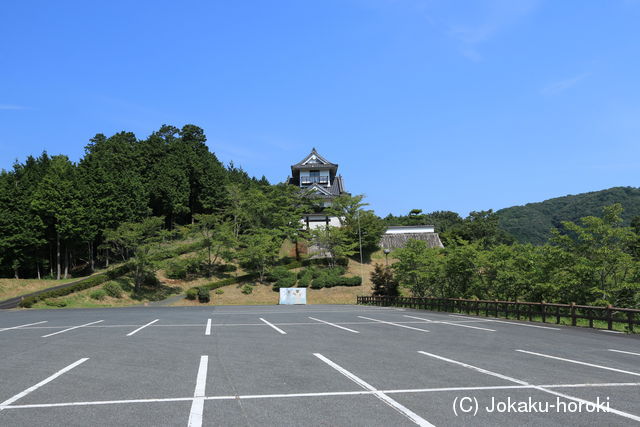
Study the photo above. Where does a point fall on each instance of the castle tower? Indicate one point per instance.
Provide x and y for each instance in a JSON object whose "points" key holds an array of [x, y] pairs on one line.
{"points": [[318, 177]]}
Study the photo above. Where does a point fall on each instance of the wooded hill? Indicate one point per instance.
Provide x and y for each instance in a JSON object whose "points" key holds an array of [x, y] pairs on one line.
{"points": [[56, 215], [532, 223]]}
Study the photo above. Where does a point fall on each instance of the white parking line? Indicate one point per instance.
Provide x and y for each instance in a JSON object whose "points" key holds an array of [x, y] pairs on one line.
{"points": [[197, 407], [625, 352], [334, 325], [316, 394], [207, 330], [510, 323], [546, 390], [452, 324], [577, 362], [302, 310], [73, 327], [273, 326], [41, 383], [142, 327], [380, 395], [394, 324], [22, 326]]}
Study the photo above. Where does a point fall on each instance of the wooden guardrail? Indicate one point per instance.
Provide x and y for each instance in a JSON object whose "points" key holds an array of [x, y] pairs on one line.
{"points": [[538, 311]]}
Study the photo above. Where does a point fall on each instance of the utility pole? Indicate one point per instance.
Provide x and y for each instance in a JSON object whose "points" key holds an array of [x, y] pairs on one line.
{"points": [[360, 239]]}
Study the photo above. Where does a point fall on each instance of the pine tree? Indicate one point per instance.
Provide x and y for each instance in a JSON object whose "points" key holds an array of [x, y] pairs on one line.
{"points": [[384, 284]]}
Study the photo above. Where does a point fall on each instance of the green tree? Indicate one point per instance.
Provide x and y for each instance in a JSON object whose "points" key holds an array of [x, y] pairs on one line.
{"points": [[599, 247], [57, 202], [358, 224], [384, 284], [420, 269], [259, 251], [480, 227], [334, 242], [218, 238]]}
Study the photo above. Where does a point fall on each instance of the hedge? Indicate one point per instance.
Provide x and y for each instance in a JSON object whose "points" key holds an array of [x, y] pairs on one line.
{"points": [[245, 277]]}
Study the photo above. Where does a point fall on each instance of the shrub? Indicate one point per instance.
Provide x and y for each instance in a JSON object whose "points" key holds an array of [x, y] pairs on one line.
{"points": [[203, 295], [219, 291], [192, 293], [278, 273], [56, 303], [304, 279], [351, 281], [343, 262], [184, 269], [247, 289], [330, 277], [98, 294], [150, 280], [285, 282], [226, 268], [112, 289]]}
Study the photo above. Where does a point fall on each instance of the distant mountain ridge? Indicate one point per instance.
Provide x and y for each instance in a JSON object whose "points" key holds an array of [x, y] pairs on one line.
{"points": [[532, 223]]}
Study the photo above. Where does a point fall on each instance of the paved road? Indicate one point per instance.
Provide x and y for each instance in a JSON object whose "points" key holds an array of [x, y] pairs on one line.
{"points": [[307, 365]]}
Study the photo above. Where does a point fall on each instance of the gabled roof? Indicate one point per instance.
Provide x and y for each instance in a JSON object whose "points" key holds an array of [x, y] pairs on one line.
{"points": [[318, 189], [314, 160]]}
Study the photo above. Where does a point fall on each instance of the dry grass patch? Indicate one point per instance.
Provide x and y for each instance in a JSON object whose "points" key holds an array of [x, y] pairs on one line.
{"points": [[10, 288]]}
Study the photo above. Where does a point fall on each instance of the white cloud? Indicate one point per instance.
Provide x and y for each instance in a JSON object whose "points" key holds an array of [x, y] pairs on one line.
{"points": [[496, 17], [11, 107], [562, 85]]}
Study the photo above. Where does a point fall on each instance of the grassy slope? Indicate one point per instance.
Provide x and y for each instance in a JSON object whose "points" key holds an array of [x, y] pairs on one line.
{"points": [[10, 288], [263, 294], [232, 295]]}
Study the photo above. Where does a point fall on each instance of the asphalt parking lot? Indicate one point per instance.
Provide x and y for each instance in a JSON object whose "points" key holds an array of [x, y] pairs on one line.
{"points": [[309, 365]]}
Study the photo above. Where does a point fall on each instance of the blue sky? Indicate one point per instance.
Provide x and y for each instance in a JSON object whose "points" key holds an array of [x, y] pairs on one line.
{"points": [[437, 105]]}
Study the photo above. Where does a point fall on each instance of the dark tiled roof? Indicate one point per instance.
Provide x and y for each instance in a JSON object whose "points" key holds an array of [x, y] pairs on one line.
{"points": [[326, 163], [338, 186]]}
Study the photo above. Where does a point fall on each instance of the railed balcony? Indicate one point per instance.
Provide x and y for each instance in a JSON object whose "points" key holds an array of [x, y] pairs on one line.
{"points": [[304, 180]]}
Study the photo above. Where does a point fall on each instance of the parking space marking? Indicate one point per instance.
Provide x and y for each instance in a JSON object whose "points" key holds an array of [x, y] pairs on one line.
{"points": [[577, 362], [334, 325], [273, 326], [625, 352], [22, 326], [379, 394], [510, 323], [142, 327], [540, 388], [394, 324], [450, 323], [303, 311], [41, 383], [207, 329], [73, 327], [199, 325], [197, 406], [312, 394]]}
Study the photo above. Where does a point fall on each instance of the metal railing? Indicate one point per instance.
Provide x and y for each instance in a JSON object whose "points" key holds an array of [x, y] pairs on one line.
{"points": [[314, 180]]}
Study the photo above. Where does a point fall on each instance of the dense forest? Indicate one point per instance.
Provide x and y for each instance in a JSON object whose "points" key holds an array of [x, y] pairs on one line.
{"points": [[533, 222], [56, 216]]}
